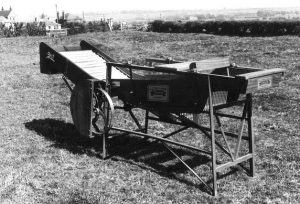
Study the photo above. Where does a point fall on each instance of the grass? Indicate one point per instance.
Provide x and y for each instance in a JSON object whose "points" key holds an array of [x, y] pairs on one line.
{"points": [[45, 160]]}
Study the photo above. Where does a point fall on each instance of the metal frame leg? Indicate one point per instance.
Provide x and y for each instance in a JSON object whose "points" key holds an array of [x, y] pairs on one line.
{"points": [[251, 135], [146, 121], [106, 130], [213, 144], [104, 150], [67, 83], [106, 105]]}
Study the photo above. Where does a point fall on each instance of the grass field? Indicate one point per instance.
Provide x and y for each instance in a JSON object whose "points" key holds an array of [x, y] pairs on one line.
{"points": [[45, 160]]}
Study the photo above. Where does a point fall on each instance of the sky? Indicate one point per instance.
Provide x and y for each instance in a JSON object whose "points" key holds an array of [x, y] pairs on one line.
{"points": [[25, 8]]}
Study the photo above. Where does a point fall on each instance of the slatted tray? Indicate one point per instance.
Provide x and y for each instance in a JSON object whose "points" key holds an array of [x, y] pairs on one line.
{"points": [[92, 64]]}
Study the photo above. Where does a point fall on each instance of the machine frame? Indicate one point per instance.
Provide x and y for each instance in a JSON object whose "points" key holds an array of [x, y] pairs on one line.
{"points": [[169, 92]]}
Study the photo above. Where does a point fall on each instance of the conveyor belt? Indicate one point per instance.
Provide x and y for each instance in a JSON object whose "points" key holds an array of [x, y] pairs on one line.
{"points": [[92, 64]]}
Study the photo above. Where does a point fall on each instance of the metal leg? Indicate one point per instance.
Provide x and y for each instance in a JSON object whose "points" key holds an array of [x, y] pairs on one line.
{"points": [[104, 151], [187, 166], [146, 121], [224, 137], [213, 145], [135, 120], [241, 130], [67, 83], [106, 130], [251, 135], [106, 110]]}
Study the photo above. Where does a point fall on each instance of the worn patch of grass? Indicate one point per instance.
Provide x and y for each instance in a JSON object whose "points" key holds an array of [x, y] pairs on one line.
{"points": [[45, 160]]}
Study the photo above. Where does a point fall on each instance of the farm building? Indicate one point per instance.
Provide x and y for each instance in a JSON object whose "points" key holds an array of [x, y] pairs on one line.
{"points": [[52, 26], [7, 17], [54, 29]]}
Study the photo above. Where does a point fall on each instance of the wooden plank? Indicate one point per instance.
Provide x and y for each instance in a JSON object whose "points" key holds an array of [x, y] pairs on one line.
{"points": [[98, 73], [94, 67], [77, 52], [95, 71], [210, 64], [91, 59], [261, 73], [116, 74], [75, 59], [199, 66], [85, 54], [98, 60], [87, 46], [76, 56], [84, 59], [86, 64], [91, 55], [92, 64], [183, 66], [71, 55]]}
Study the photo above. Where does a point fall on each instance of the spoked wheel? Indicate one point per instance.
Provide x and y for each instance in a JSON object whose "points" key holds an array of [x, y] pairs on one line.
{"points": [[102, 112], [92, 110]]}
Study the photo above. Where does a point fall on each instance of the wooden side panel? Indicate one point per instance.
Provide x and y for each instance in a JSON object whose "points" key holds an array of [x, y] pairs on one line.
{"points": [[52, 62], [49, 60], [263, 82], [178, 94]]}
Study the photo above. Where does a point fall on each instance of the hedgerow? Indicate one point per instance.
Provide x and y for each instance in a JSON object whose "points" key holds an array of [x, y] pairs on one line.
{"points": [[231, 28], [23, 29], [39, 28], [92, 26]]}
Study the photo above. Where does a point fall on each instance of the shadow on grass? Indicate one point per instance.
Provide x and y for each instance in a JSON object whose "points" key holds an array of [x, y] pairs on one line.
{"points": [[64, 135], [146, 154]]}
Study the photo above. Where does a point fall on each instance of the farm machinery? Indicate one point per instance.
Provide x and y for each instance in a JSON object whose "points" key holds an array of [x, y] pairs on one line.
{"points": [[168, 91]]}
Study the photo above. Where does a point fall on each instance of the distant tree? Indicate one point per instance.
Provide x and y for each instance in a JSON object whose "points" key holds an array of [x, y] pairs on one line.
{"points": [[43, 16], [221, 17], [201, 17], [210, 16]]}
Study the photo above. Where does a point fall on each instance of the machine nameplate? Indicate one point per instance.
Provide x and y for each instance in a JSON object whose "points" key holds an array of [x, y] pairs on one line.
{"points": [[158, 93], [265, 82]]}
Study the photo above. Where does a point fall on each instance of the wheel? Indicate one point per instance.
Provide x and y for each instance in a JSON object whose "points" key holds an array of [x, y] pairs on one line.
{"points": [[91, 109], [102, 111]]}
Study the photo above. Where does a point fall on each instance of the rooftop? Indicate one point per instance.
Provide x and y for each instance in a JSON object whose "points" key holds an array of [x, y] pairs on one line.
{"points": [[5, 13]]}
